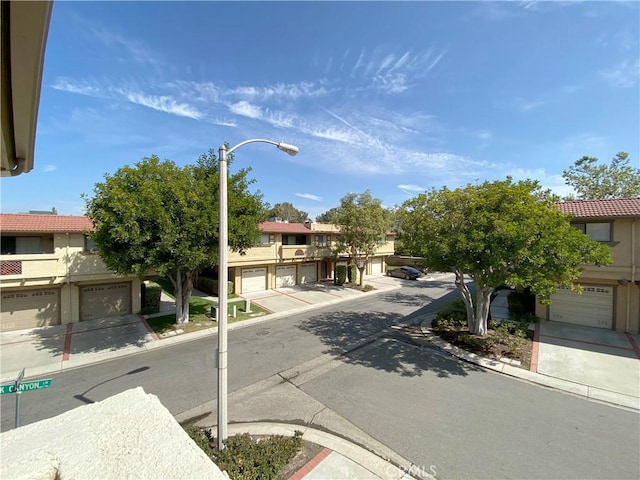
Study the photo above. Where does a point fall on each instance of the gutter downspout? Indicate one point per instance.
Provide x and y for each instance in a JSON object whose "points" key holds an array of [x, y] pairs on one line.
{"points": [[633, 273]]}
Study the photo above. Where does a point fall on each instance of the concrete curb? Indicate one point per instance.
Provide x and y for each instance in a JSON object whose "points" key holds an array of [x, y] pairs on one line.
{"points": [[591, 393], [379, 467]]}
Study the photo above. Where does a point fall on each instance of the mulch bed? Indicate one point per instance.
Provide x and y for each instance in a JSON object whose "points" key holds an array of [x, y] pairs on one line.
{"points": [[488, 346]]}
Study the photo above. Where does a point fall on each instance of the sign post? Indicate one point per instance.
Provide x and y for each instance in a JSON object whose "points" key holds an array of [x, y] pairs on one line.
{"points": [[18, 386], [18, 393]]}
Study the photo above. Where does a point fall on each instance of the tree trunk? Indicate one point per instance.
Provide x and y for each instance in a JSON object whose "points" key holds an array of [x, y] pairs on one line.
{"points": [[361, 270], [467, 297], [483, 301], [183, 285]]}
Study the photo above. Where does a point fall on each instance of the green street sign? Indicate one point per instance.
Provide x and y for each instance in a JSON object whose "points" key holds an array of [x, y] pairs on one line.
{"points": [[26, 386]]}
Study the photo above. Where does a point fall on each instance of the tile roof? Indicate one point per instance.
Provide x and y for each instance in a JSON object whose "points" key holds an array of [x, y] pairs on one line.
{"points": [[29, 222], [609, 208], [281, 227]]}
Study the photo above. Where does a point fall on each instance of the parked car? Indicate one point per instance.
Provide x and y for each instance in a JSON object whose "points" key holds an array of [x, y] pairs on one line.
{"points": [[408, 273]]}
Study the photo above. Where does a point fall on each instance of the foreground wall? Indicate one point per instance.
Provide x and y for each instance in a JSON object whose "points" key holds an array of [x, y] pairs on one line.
{"points": [[129, 435]]}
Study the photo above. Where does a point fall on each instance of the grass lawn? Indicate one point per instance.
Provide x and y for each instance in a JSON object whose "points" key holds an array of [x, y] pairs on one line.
{"points": [[199, 311]]}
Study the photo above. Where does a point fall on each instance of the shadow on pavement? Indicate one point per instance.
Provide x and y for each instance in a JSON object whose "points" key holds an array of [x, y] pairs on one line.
{"points": [[93, 336], [344, 333]]}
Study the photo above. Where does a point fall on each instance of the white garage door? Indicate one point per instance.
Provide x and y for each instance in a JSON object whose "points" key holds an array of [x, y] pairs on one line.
{"points": [[107, 300], [376, 265], [254, 279], [592, 308], [29, 309], [285, 276], [309, 273]]}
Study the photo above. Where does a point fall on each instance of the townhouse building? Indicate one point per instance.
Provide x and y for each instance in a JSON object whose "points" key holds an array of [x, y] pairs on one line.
{"points": [[611, 295], [51, 274], [296, 253]]}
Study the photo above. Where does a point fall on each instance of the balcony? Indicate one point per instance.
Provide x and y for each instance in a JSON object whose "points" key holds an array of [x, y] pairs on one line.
{"points": [[27, 267], [304, 252]]}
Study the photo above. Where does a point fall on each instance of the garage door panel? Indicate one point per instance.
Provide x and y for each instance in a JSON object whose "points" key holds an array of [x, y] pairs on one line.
{"points": [[593, 307], [254, 280], [30, 309], [309, 273], [285, 276], [376, 265], [100, 301]]}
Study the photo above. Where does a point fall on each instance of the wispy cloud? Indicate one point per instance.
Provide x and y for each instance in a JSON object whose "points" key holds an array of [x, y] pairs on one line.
{"points": [[245, 109], [411, 188], [623, 75], [162, 103], [49, 168], [81, 88], [280, 90], [394, 72], [134, 49], [553, 182], [309, 196]]}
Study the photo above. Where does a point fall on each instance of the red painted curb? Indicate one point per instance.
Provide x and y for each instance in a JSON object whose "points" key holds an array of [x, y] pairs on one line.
{"points": [[148, 327], [634, 344], [313, 463], [67, 343], [534, 350]]}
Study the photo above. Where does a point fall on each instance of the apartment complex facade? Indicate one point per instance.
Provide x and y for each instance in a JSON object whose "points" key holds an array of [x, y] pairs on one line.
{"points": [[50, 274], [611, 295], [296, 253]]}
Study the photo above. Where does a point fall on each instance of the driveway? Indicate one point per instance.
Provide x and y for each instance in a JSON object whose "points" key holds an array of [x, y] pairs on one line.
{"points": [[595, 357], [49, 349]]}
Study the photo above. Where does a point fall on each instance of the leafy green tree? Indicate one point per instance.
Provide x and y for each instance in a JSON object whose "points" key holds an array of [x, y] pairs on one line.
{"points": [[328, 217], [497, 233], [596, 181], [158, 217], [287, 212], [363, 224]]}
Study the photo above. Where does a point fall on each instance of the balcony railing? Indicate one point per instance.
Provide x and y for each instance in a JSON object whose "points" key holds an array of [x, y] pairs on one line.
{"points": [[28, 266], [303, 252]]}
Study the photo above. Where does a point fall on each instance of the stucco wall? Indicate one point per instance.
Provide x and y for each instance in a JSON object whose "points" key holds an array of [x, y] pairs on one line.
{"points": [[129, 435]]}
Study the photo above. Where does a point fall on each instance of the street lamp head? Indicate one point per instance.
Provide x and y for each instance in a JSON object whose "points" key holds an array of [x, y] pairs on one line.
{"points": [[290, 149]]}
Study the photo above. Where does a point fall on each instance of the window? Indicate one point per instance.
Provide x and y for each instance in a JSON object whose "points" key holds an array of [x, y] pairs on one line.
{"points": [[267, 239], [322, 240], [89, 245], [600, 232], [294, 239]]}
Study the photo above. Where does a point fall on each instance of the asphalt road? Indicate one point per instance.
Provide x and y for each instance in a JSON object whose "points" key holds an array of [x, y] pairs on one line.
{"points": [[446, 416]]}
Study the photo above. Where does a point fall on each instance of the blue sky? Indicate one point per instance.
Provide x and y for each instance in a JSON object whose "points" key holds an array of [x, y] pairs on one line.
{"points": [[391, 97]]}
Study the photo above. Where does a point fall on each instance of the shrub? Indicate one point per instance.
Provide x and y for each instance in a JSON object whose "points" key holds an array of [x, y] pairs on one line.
{"points": [[367, 288], [341, 275], [352, 275], [521, 302], [210, 285], [246, 459], [207, 285], [151, 298], [452, 314]]}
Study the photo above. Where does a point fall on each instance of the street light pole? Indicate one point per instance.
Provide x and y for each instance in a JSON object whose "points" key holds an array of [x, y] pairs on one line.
{"points": [[223, 274]]}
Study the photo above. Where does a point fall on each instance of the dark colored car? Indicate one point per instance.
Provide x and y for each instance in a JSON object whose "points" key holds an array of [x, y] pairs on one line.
{"points": [[408, 273]]}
